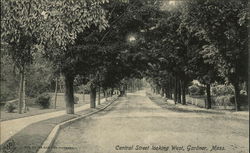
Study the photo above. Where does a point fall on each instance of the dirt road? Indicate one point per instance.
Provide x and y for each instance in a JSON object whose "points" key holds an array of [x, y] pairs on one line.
{"points": [[135, 124]]}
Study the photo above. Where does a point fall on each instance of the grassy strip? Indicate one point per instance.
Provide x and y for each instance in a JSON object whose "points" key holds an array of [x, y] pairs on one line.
{"points": [[10, 116], [162, 102], [34, 110], [29, 139], [172, 107]]}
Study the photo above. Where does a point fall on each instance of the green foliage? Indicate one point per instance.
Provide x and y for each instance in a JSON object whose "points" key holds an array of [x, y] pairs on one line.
{"points": [[60, 39], [7, 94], [244, 100], [76, 100], [20, 21], [204, 40], [51, 24], [196, 90], [39, 77], [10, 107], [69, 18], [227, 100], [220, 90], [9, 78], [222, 25], [105, 57], [44, 100]]}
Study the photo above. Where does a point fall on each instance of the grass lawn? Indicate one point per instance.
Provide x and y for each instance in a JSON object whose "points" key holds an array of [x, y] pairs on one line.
{"points": [[29, 139], [35, 109], [189, 108]]}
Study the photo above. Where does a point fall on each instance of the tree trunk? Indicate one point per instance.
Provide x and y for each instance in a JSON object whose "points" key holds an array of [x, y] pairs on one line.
{"points": [[112, 92], [208, 101], [236, 96], [83, 94], [175, 90], [179, 91], [166, 92], [69, 93], [24, 95], [170, 93], [20, 102], [162, 92], [56, 93], [158, 90], [105, 94], [169, 89], [183, 89], [99, 95], [92, 96], [247, 85], [60, 86]]}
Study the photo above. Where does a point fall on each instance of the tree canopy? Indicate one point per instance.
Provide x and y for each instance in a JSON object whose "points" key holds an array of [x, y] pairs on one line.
{"points": [[106, 42]]}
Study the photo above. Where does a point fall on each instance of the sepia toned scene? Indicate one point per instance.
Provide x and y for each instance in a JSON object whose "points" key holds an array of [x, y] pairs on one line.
{"points": [[124, 76]]}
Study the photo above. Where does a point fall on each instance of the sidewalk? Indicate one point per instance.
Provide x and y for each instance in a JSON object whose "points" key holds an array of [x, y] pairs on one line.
{"points": [[11, 127]]}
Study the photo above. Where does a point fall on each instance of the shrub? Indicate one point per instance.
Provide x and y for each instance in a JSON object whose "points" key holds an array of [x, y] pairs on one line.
{"points": [[243, 100], [227, 100], [43, 100], [220, 90], [76, 99], [243, 92], [10, 107], [196, 90], [7, 94]]}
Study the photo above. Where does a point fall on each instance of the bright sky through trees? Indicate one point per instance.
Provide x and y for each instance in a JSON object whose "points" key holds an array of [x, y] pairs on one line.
{"points": [[172, 3], [169, 4], [131, 38]]}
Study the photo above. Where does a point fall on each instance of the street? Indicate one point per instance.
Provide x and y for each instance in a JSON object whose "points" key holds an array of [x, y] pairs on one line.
{"points": [[135, 124], [172, 75]]}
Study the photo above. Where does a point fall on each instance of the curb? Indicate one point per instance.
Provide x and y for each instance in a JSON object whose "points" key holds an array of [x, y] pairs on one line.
{"points": [[48, 143]]}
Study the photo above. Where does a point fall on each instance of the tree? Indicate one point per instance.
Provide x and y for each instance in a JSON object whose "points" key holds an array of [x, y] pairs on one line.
{"points": [[172, 56], [9, 77], [19, 26], [108, 53], [223, 25], [74, 18]]}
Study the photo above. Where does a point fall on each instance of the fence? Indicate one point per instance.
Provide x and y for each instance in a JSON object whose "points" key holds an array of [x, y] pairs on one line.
{"points": [[197, 100], [200, 101]]}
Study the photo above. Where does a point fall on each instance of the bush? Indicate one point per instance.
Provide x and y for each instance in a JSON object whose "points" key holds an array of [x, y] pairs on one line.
{"points": [[243, 92], [196, 90], [76, 99], [227, 100], [44, 100], [10, 107], [6, 95], [220, 90], [243, 100]]}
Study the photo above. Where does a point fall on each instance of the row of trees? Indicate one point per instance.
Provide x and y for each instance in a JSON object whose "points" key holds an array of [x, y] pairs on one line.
{"points": [[85, 41], [203, 40], [105, 42], [48, 28]]}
